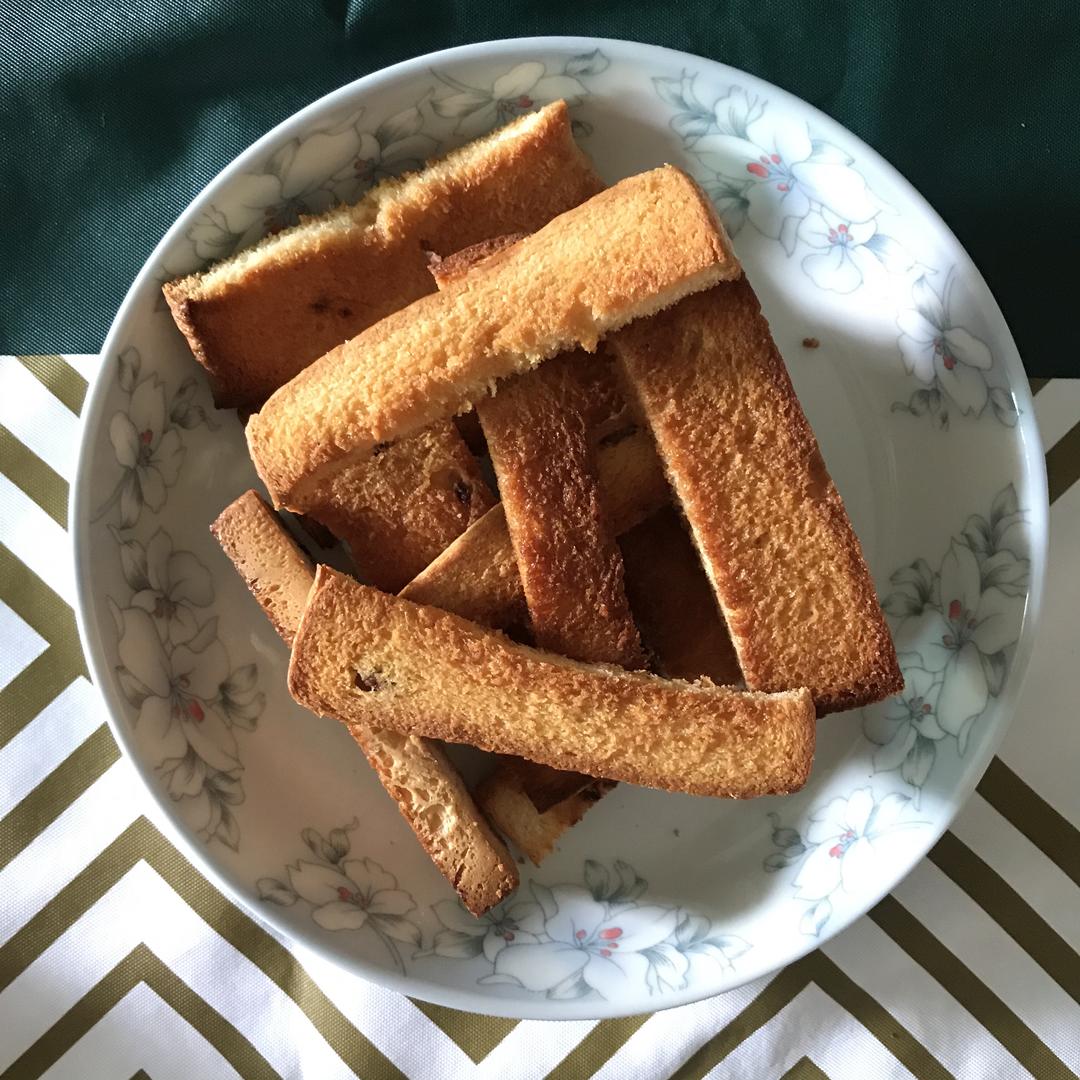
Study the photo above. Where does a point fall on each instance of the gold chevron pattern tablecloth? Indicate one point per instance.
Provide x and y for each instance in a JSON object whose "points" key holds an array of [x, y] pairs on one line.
{"points": [[117, 959]]}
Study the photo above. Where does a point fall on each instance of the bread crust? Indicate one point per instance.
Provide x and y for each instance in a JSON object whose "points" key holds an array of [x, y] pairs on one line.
{"points": [[274, 567], [420, 778], [767, 520], [563, 287], [255, 320], [372, 659], [259, 318], [476, 577], [458, 263], [686, 637]]}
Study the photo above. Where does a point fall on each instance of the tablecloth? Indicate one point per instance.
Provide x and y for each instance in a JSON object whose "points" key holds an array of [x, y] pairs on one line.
{"points": [[115, 113], [118, 959]]}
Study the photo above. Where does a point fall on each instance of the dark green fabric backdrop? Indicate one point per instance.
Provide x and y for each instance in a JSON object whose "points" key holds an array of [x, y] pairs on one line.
{"points": [[114, 114]]}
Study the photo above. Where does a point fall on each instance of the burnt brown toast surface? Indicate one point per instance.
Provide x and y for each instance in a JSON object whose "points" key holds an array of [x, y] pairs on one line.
{"points": [[400, 510], [513, 811], [477, 575], [537, 431], [570, 565], [673, 602]]}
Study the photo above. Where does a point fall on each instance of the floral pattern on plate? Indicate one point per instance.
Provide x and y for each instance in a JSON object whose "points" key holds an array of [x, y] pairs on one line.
{"points": [[573, 940], [338, 160], [599, 939], [347, 894], [806, 193], [567, 942], [478, 109], [840, 850], [951, 362], [171, 666], [954, 628]]}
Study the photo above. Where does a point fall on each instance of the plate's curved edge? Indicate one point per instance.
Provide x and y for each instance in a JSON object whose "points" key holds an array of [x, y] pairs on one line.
{"points": [[464, 998]]}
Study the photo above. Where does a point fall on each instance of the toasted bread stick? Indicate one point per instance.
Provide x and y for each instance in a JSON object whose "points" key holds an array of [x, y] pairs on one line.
{"points": [[405, 507], [512, 811], [372, 659], [685, 634], [767, 520], [416, 772], [570, 565], [585, 274], [536, 430], [257, 319]]}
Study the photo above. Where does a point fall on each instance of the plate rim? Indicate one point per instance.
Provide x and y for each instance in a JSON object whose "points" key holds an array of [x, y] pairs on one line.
{"points": [[466, 998]]}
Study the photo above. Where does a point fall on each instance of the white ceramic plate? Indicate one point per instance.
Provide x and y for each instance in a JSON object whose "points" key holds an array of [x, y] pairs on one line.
{"points": [[917, 396]]}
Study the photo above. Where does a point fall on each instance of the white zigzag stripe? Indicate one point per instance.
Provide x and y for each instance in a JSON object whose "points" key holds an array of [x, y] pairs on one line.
{"points": [[142, 908], [141, 1032], [86, 364], [22, 646], [1043, 743], [1036, 878], [64, 848], [953, 917], [533, 1048], [36, 540], [669, 1038], [409, 1039], [917, 1000], [812, 1025], [36, 418], [57, 731]]}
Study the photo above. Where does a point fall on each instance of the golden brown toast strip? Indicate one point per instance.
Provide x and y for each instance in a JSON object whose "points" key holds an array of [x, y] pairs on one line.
{"points": [[673, 602], [477, 575], [402, 509], [771, 529], [396, 513], [415, 771], [275, 569], [259, 318], [570, 566], [585, 274], [600, 394], [372, 659]]}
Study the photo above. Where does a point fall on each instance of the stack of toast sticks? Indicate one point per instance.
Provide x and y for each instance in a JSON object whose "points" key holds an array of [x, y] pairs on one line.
{"points": [[666, 590]]}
